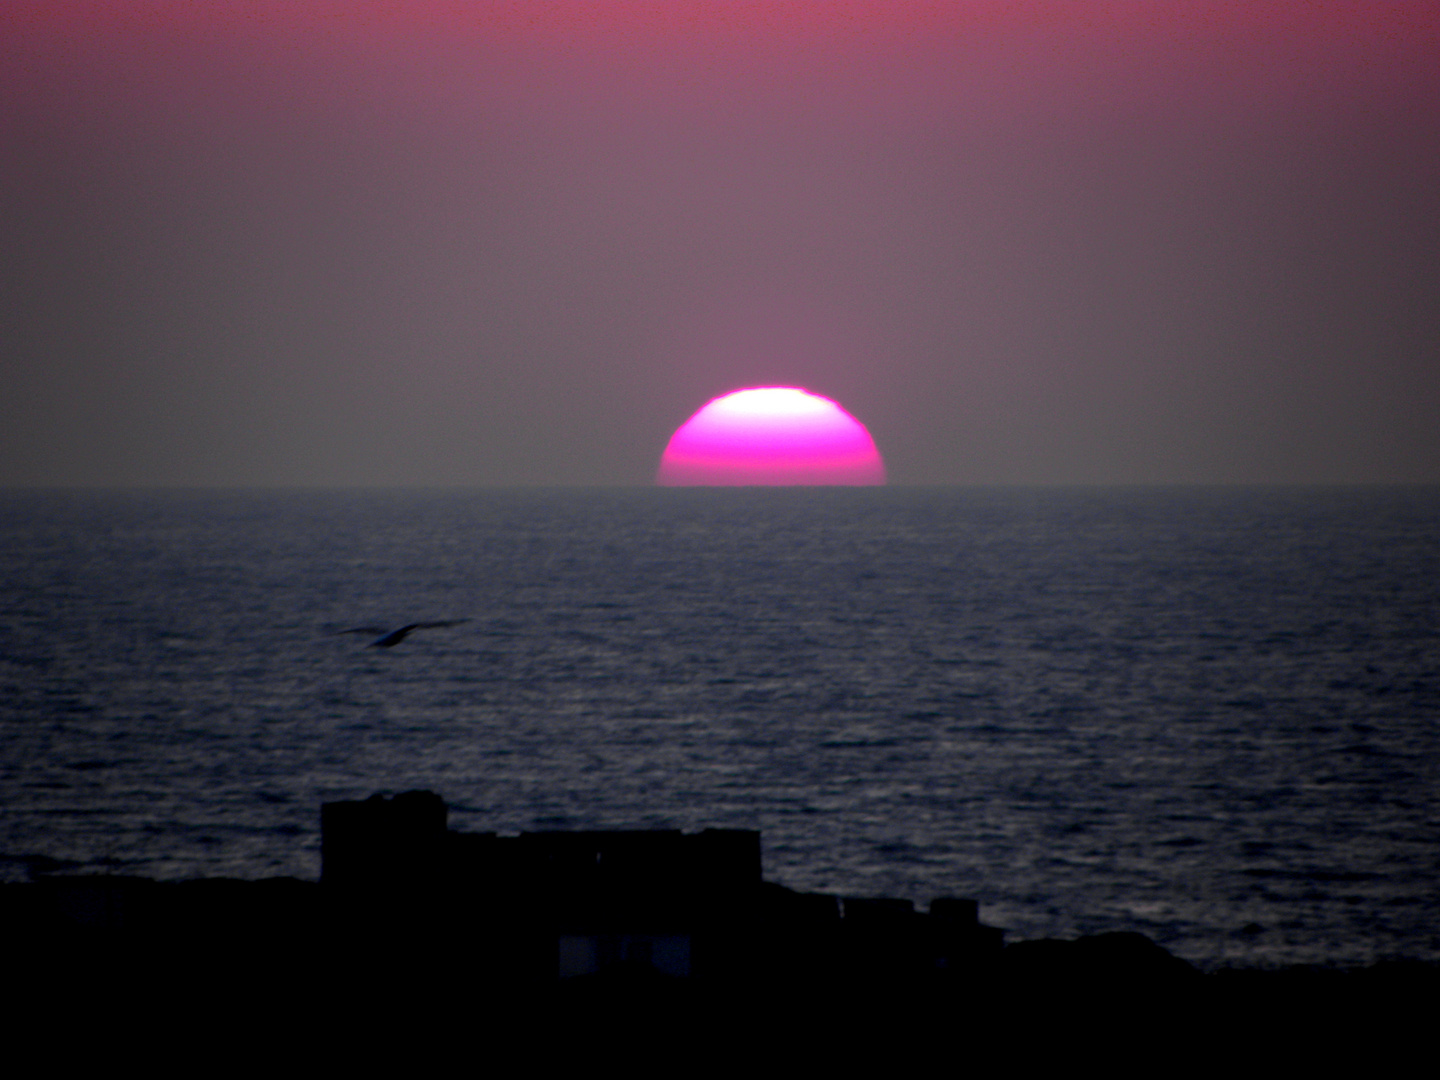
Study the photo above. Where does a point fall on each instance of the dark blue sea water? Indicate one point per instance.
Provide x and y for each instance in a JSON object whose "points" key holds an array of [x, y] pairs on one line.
{"points": [[1209, 715]]}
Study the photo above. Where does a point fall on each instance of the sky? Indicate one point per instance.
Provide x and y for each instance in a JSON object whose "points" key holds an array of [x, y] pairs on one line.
{"points": [[290, 243]]}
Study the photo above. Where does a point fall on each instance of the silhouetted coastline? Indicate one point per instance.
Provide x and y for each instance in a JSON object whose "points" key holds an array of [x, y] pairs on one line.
{"points": [[410, 915]]}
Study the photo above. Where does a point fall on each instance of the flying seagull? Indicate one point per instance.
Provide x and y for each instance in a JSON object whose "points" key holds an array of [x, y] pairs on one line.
{"points": [[390, 637]]}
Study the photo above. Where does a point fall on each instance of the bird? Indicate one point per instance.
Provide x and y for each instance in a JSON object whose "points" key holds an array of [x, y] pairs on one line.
{"points": [[390, 637]]}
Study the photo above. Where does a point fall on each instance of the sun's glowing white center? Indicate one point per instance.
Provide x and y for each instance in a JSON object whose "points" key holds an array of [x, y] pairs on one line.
{"points": [[771, 435]]}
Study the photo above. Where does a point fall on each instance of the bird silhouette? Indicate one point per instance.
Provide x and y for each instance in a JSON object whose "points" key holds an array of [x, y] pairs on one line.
{"points": [[390, 637]]}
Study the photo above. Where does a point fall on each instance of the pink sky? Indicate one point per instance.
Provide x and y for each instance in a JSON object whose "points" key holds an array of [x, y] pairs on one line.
{"points": [[476, 242]]}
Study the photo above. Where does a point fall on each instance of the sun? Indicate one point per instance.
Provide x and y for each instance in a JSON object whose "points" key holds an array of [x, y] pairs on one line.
{"points": [[771, 435]]}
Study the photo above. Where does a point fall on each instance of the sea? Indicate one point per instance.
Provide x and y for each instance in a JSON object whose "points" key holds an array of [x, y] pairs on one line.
{"points": [[1209, 715]]}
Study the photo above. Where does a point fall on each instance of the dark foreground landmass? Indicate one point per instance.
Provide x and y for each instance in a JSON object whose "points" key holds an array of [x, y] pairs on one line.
{"points": [[642, 936]]}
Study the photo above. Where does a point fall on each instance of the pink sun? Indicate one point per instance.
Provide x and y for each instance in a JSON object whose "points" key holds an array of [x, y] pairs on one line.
{"points": [[771, 435]]}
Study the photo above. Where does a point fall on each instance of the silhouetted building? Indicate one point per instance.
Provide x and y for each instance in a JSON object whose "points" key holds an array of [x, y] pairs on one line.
{"points": [[548, 905]]}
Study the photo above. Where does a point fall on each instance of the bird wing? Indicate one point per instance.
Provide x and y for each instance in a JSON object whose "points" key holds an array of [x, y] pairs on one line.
{"points": [[390, 637], [394, 637], [397, 636]]}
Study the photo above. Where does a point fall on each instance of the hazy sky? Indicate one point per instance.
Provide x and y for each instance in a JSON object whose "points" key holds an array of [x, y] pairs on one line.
{"points": [[478, 242]]}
